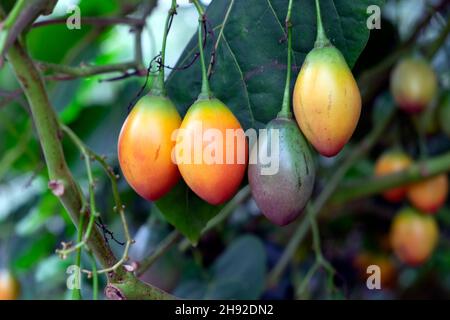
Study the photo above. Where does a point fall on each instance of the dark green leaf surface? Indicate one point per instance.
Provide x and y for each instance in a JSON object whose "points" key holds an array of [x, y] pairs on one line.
{"points": [[187, 212], [249, 74], [239, 273]]}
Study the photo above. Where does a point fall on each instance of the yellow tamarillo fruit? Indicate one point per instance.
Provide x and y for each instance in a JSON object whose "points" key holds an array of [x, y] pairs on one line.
{"points": [[327, 101]]}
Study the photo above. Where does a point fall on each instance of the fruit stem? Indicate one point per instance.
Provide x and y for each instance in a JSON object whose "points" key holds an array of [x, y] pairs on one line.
{"points": [[285, 108], [321, 38], [158, 88], [205, 92]]}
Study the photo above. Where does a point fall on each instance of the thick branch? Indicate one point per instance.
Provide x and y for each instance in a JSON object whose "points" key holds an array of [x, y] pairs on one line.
{"points": [[417, 172], [21, 16], [47, 126], [62, 183]]}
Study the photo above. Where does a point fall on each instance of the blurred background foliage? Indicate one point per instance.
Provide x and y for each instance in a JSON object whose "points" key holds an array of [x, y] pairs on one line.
{"points": [[233, 260]]}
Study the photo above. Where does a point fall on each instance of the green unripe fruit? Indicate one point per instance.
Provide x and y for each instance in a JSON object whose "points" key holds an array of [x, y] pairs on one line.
{"points": [[283, 194]]}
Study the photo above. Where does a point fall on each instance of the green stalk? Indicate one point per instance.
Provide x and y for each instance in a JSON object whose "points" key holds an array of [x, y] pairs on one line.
{"points": [[285, 109], [94, 277], [158, 88], [76, 293], [14, 14], [205, 91], [321, 38]]}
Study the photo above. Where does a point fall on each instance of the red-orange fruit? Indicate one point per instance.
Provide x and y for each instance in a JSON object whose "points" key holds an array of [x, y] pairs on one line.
{"points": [[390, 163], [211, 151], [145, 147], [414, 236], [429, 195]]}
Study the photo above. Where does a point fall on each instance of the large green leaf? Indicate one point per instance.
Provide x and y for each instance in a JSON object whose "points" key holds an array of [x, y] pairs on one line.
{"points": [[239, 273], [250, 69], [187, 212]]}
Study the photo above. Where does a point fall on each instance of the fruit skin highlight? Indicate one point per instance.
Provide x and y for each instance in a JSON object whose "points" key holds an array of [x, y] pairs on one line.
{"points": [[145, 146], [389, 163], [413, 236], [429, 195], [9, 286], [283, 195], [327, 101], [413, 84], [212, 181]]}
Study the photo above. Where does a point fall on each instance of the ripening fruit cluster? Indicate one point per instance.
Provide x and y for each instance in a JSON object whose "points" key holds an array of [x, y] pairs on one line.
{"points": [[325, 93], [428, 195], [414, 231], [148, 154], [414, 86], [152, 151]]}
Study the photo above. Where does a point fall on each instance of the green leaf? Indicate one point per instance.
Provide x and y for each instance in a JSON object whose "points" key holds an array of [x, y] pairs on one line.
{"points": [[36, 250], [250, 69], [186, 212], [239, 273], [38, 215]]}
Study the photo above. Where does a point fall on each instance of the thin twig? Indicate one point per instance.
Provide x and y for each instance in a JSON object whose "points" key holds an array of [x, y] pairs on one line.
{"points": [[92, 207], [96, 21], [94, 276], [119, 207], [64, 72]]}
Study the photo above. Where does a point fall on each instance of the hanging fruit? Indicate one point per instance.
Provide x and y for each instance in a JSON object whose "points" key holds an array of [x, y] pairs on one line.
{"points": [[327, 101], [146, 139], [429, 195], [414, 236], [282, 189], [283, 195], [211, 147], [413, 84], [444, 115], [389, 163], [214, 177]]}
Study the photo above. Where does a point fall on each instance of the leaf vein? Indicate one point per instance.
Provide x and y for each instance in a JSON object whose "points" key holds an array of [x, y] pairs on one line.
{"points": [[242, 79]]}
